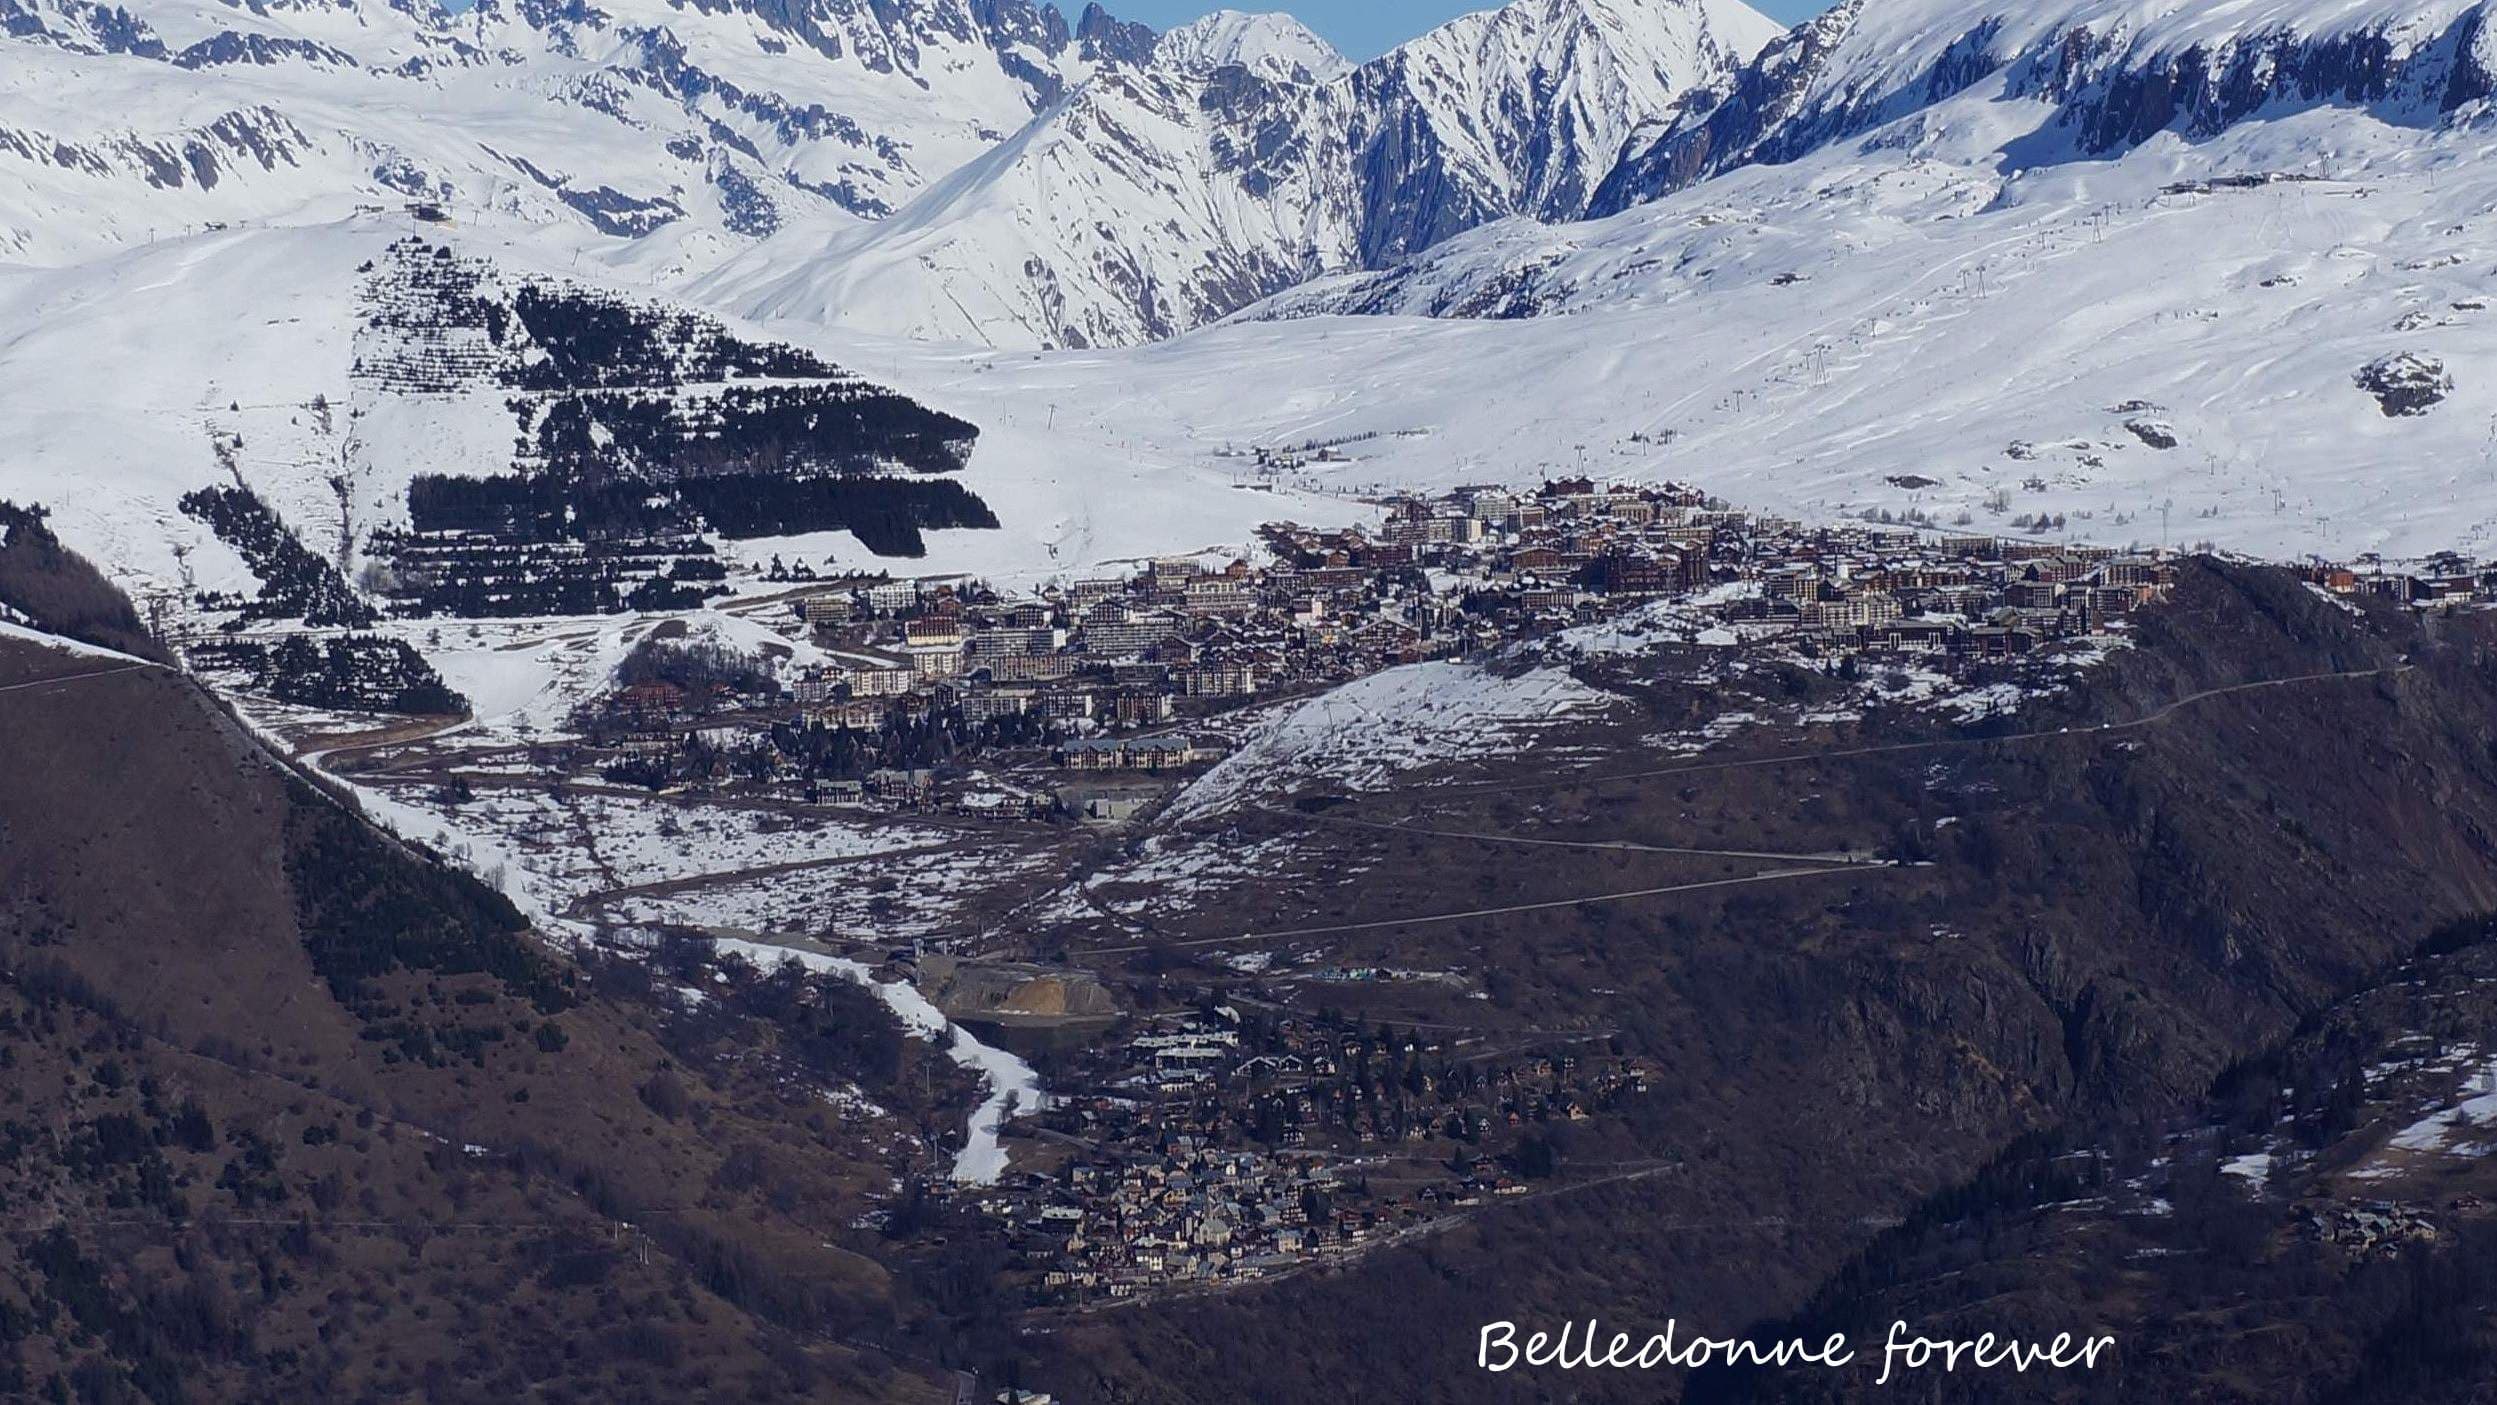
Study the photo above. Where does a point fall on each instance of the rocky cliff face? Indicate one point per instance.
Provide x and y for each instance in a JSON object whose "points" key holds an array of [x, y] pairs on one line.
{"points": [[1248, 159], [1521, 111], [2113, 73], [711, 118], [1763, 96], [980, 169]]}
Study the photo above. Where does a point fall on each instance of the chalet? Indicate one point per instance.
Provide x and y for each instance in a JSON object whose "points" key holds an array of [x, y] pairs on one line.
{"points": [[1109, 755], [2445, 590], [858, 714], [1168, 752], [1000, 805], [1994, 642], [911, 786], [1911, 635], [653, 703]]}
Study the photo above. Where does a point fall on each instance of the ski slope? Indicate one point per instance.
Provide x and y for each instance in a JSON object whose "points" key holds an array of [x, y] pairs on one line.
{"points": [[133, 379], [1886, 331]]}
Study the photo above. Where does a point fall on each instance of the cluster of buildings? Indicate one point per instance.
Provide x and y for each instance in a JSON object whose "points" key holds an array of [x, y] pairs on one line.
{"points": [[1183, 638], [2370, 1227], [1190, 1216], [2442, 581], [1575, 551], [1119, 674], [1101, 661], [1217, 1149]]}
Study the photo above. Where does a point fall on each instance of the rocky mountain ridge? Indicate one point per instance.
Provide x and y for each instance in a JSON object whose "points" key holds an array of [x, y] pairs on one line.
{"points": [[2116, 73], [1185, 174], [1153, 200]]}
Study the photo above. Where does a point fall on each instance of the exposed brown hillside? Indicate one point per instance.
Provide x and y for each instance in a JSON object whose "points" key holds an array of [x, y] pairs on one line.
{"points": [[2099, 920], [2281, 1244], [294, 1114]]}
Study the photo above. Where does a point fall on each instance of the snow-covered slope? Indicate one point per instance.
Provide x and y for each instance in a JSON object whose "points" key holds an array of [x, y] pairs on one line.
{"points": [[1275, 45], [706, 124], [1522, 110], [265, 357], [1055, 184], [1153, 200], [1142, 205], [2261, 319], [2115, 73], [2165, 345]]}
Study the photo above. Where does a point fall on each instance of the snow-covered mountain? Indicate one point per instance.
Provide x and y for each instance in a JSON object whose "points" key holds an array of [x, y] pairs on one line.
{"points": [[1275, 45], [1919, 257], [2249, 309], [1144, 203], [1976, 99], [2114, 72], [1031, 181], [1523, 110], [1152, 200], [704, 125], [328, 368]]}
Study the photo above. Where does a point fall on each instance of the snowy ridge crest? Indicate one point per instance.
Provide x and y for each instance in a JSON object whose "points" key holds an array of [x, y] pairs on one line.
{"points": [[1275, 45], [1155, 200], [2114, 72]]}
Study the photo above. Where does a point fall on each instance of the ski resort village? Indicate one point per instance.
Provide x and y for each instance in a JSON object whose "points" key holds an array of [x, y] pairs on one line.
{"points": [[1089, 698], [1044, 817], [880, 700]]}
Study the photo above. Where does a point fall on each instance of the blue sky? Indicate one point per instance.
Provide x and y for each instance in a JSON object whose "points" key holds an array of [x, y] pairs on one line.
{"points": [[1366, 28]]}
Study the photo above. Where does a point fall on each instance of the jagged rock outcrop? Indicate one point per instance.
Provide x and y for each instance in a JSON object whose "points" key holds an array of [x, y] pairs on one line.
{"points": [[960, 168], [1249, 158], [2406, 383], [2113, 77]]}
